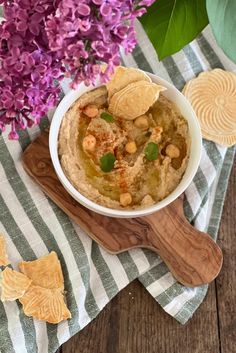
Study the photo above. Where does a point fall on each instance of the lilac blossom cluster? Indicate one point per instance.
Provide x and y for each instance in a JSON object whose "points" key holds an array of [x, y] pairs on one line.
{"points": [[41, 41]]}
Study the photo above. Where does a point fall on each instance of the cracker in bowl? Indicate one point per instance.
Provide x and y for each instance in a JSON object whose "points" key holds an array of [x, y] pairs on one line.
{"points": [[124, 76], [135, 99]]}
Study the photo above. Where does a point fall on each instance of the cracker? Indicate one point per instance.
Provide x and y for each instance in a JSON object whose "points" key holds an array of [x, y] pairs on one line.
{"points": [[14, 284], [135, 99], [3, 252], [124, 76], [45, 272], [45, 304], [213, 97]]}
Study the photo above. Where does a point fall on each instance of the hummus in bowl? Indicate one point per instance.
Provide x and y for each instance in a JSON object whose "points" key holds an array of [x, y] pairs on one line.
{"points": [[124, 148]]}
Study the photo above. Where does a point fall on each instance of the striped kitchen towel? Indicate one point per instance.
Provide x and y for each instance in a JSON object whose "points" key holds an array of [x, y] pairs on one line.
{"points": [[33, 225]]}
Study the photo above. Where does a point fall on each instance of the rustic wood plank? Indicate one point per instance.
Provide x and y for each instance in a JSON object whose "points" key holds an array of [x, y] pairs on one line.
{"points": [[192, 256], [226, 282], [134, 323]]}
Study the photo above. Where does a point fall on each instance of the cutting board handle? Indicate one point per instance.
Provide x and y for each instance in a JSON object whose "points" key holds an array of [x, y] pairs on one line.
{"points": [[192, 256]]}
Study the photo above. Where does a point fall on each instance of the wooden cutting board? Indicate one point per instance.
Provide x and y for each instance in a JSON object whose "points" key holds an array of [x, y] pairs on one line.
{"points": [[192, 256]]}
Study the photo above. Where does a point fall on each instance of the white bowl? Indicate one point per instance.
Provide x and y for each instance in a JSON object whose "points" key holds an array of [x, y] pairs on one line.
{"points": [[194, 158]]}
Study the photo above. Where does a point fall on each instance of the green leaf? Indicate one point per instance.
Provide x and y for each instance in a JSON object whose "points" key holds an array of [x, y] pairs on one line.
{"points": [[171, 24], [222, 17], [151, 151], [107, 162], [106, 116]]}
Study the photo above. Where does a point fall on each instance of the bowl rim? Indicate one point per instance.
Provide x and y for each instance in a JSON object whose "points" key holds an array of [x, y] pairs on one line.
{"points": [[67, 101]]}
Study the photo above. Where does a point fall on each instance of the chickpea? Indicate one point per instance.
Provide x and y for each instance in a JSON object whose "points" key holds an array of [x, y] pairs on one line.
{"points": [[125, 199], [131, 147], [142, 122], [147, 200], [89, 143], [91, 110], [172, 151]]}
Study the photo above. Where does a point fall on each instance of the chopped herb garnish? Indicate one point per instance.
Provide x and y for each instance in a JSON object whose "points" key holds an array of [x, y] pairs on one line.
{"points": [[106, 116], [151, 151], [107, 162]]}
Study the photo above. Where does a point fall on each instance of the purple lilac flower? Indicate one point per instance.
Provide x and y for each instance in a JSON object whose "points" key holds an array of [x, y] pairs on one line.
{"points": [[87, 32], [29, 70], [43, 40]]}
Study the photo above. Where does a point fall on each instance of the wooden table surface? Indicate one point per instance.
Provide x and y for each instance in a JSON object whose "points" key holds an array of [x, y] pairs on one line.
{"points": [[133, 322]]}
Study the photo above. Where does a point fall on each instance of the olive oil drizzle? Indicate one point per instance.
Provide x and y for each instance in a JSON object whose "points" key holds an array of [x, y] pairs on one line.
{"points": [[114, 183]]}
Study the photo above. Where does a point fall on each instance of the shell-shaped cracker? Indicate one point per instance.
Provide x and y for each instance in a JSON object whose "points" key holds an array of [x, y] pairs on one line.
{"points": [[135, 99], [213, 97], [45, 304], [3, 252], [45, 271], [14, 284], [124, 76]]}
